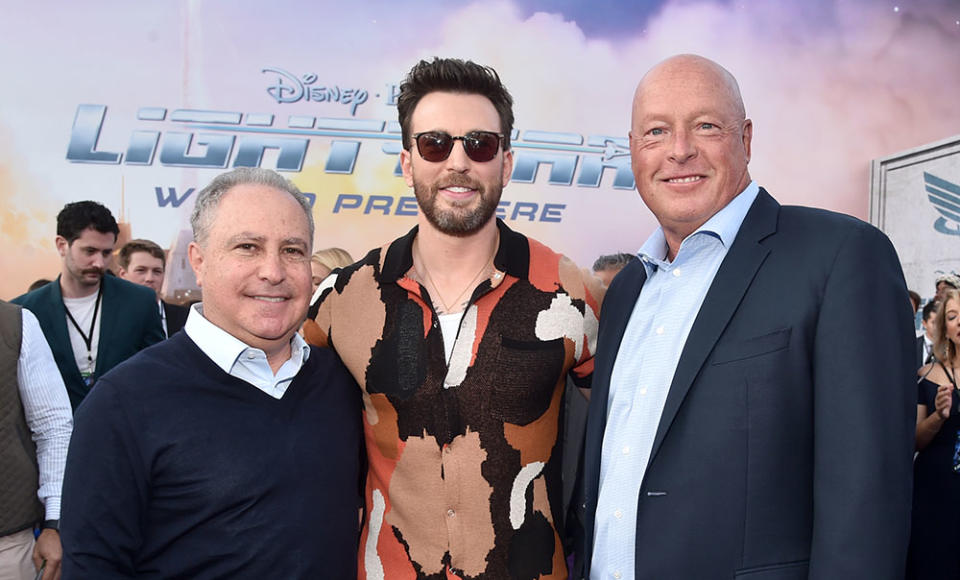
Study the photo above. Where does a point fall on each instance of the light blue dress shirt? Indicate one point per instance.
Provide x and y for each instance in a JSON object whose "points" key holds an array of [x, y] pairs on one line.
{"points": [[646, 362], [241, 361]]}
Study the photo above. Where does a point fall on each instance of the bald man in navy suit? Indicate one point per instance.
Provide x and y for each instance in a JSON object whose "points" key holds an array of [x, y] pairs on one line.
{"points": [[753, 405]]}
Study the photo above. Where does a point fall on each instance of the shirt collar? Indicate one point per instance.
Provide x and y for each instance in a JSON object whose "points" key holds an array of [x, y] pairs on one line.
{"points": [[723, 225], [513, 254], [222, 347]]}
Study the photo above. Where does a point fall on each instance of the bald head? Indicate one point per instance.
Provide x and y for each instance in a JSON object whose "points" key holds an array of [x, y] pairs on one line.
{"points": [[689, 143], [685, 69]]}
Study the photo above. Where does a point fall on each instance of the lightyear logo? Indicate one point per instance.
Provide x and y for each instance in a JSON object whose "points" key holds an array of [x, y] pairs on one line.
{"points": [[214, 139]]}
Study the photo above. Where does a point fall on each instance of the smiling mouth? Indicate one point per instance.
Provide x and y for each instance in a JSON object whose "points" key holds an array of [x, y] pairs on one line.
{"points": [[269, 298], [458, 189], [690, 179]]}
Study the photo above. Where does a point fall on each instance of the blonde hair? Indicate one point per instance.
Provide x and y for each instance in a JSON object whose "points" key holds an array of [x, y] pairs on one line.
{"points": [[944, 348], [332, 258]]}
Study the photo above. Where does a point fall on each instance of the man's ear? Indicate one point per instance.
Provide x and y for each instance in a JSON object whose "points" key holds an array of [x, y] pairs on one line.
{"points": [[406, 165], [507, 168], [62, 245], [747, 136], [195, 255]]}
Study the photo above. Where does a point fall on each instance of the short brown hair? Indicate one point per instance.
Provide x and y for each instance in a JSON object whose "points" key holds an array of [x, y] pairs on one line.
{"points": [[453, 75], [134, 246]]}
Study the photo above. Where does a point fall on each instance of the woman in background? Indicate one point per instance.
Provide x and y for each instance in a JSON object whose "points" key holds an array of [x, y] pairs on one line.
{"points": [[322, 262], [935, 537]]}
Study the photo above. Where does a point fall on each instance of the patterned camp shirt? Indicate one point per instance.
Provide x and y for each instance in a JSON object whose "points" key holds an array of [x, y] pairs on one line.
{"points": [[464, 459]]}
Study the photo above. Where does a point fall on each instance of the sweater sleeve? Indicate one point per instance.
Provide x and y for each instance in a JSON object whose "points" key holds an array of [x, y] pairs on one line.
{"points": [[104, 489]]}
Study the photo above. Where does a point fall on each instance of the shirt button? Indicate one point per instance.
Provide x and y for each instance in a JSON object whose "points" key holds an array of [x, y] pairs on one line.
{"points": [[643, 391], [626, 450], [617, 575], [676, 273], [659, 330], [618, 514], [451, 513], [251, 355]]}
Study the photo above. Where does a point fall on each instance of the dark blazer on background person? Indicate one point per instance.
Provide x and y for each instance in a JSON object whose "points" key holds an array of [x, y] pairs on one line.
{"points": [[129, 322], [176, 316], [785, 444]]}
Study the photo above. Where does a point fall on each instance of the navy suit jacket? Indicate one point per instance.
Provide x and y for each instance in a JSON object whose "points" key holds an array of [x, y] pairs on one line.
{"points": [[130, 321], [785, 445]]}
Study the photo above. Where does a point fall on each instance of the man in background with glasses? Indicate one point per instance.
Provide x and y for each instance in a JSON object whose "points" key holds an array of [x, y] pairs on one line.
{"points": [[460, 335]]}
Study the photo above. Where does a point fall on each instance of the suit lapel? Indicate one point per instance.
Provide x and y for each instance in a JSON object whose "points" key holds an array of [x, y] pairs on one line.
{"points": [[726, 291], [108, 320], [59, 338]]}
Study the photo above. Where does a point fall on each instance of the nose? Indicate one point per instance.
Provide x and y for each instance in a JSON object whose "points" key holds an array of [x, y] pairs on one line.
{"points": [[458, 160], [682, 147], [272, 268], [99, 261]]}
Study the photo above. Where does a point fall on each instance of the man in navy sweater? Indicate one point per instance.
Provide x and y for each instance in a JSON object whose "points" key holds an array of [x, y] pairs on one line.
{"points": [[231, 450]]}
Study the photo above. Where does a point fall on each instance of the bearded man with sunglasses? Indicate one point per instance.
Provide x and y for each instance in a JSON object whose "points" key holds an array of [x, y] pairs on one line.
{"points": [[460, 335]]}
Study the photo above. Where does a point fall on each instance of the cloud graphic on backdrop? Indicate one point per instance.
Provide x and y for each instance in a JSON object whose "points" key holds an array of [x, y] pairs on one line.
{"points": [[829, 85]]}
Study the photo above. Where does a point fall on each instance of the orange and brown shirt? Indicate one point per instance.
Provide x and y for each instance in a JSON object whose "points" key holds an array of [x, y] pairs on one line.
{"points": [[464, 457]]}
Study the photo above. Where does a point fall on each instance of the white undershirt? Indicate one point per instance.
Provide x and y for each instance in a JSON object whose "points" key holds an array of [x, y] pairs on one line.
{"points": [[449, 326], [82, 311]]}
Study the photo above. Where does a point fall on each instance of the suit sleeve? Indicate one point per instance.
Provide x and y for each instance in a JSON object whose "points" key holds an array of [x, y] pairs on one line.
{"points": [[864, 414], [105, 490]]}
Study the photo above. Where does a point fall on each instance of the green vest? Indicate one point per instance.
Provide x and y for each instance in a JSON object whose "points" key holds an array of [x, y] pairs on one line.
{"points": [[19, 477]]}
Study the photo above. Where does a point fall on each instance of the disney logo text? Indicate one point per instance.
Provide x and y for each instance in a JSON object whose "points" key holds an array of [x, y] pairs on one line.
{"points": [[290, 89]]}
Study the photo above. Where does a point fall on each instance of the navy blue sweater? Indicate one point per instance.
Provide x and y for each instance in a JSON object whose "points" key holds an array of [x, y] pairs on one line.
{"points": [[178, 470]]}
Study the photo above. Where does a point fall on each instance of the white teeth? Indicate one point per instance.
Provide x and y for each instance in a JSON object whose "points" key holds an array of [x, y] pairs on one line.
{"points": [[269, 298], [684, 179], [459, 189]]}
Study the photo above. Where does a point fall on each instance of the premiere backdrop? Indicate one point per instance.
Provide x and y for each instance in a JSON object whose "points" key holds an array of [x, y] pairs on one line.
{"points": [[139, 105]]}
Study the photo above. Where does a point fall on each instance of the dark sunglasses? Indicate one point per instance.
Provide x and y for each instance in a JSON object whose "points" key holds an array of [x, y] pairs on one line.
{"points": [[480, 146]]}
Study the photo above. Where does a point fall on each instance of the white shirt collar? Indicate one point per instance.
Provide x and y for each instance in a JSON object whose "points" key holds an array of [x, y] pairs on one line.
{"points": [[222, 347]]}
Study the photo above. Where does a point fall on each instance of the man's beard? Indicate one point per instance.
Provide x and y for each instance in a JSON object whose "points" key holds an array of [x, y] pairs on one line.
{"points": [[459, 221]]}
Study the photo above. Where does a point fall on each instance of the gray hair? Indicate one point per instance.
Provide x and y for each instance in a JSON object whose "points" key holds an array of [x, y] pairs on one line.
{"points": [[209, 198], [613, 261]]}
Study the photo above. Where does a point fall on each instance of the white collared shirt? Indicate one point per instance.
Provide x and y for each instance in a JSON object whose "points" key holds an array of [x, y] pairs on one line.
{"points": [[46, 407], [242, 361]]}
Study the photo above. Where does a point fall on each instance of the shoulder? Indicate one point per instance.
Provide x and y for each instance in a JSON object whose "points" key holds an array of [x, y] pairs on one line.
{"points": [[158, 365], [819, 224], [36, 297]]}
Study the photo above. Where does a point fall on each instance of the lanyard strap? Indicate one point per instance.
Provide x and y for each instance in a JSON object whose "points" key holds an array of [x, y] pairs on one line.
{"points": [[88, 339]]}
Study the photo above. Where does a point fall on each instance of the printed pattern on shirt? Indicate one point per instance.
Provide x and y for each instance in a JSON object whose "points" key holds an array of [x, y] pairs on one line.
{"points": [[464, 460]]}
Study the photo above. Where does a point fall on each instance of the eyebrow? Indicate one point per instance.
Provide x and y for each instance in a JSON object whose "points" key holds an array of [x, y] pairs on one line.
{"points": [[250, 237]]}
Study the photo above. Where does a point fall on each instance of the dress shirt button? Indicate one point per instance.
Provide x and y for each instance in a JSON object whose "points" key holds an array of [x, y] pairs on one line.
{"points": [[251, 355], [676, 272], [626, 450], [451, 513], [659, 330], [617, 575], [643, 391], [617, 514]]}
